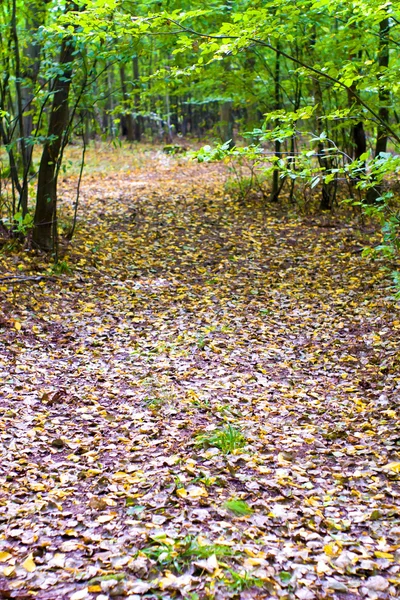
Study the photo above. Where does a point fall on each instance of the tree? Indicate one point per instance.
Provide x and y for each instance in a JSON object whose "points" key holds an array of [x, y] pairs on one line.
{"points": [[137, 69]]}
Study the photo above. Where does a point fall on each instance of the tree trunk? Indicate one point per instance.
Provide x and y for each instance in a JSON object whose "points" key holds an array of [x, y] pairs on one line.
{"points": [[384, 99], [45, 226], [126, 117], [35, 18], [277, 105], [384, 94], [359, 140], [137, 123], [328, 195], [23, 199], [226, 123]]}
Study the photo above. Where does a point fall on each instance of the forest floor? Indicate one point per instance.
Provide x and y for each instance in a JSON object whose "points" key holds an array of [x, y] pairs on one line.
{"points": [[203, 404]]}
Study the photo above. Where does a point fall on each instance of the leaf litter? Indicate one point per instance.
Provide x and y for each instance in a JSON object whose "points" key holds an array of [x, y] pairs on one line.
{"points": [[205, 403]]}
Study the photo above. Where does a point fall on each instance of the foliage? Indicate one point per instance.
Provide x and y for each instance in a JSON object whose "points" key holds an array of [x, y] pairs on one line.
{"points": [[238, 507], [144, 69], [228, 440]]}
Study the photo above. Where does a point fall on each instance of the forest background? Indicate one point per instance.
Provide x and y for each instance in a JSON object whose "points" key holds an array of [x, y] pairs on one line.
{"points": [[199, 358], [309, 88]]}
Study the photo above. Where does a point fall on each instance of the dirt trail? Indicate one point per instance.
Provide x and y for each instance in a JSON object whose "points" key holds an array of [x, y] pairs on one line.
{"points": [[186, 314]]}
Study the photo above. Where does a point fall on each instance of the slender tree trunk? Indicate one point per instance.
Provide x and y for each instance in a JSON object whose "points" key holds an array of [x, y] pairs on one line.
{"points": [[226, 123], [328, 189], [137, 122], [384, 94], [359, 140], [277, 105], [35, 18], [110, 100], [23, 201], [45, 226], [126, 117], [292, 160], [384, 99]]}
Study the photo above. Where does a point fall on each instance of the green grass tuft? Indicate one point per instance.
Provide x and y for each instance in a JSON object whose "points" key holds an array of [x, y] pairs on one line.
{"points": [[227, 440], [240, 508]]}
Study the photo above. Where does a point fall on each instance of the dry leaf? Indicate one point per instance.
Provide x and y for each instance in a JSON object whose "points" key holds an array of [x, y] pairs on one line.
{"points": [[29, 564], [5, 556], [80, 595], [105, 518]]}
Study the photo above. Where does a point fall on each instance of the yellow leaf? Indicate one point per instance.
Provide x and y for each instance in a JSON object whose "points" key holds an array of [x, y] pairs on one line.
{"points": [[168, 580], [7, 571], [5, 556], [197, 491], [181, 492], [17, 325], [392, 467], [29, 564], [202, 541], [71, 533], [94, 588], [92, 472], [283, 459], [332, 549], [254, 562], [37, 487], [105, 518], [380, 554], [119, 475]]}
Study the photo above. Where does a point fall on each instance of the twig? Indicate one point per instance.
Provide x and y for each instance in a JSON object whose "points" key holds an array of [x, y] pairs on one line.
{"points": [[23, 278], [78, 188]]}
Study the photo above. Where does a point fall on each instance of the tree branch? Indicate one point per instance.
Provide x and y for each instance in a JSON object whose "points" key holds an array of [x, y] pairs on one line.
{"points": [[298, 62]]}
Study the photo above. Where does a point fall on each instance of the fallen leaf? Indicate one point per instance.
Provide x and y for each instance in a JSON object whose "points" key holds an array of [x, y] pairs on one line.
{"points": [[105, 518], [377, 583], [29, 564], [80, 594], [5, 556], [392, 467]]}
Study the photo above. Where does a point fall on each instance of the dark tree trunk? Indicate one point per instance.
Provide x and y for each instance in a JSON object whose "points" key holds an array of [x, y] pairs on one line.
{"points": [[23, 199], [360, 141], [384, 94], [126, 117], [35, 18], [277, 105], [45, 226], [137, 122], [226, 123], [384, 99]]}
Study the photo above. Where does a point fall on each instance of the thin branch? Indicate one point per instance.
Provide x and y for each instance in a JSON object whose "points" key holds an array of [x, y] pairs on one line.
{"points": [[71, 232], [23, 278]]}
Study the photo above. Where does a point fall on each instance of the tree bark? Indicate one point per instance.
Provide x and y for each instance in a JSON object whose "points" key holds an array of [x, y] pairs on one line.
{"points": [[226, 123], [45, 226], [384, 94], [384, 99], [137, 123], [126, 117], [277, 105], [23, 196], [35, 18]]}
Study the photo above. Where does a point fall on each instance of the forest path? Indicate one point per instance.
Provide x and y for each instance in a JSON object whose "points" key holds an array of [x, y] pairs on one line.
{"points": [[186, 314]]}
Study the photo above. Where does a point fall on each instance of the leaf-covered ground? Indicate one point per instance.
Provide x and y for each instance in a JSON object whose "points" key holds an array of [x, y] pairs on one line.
{"points": [[204, 406]]}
